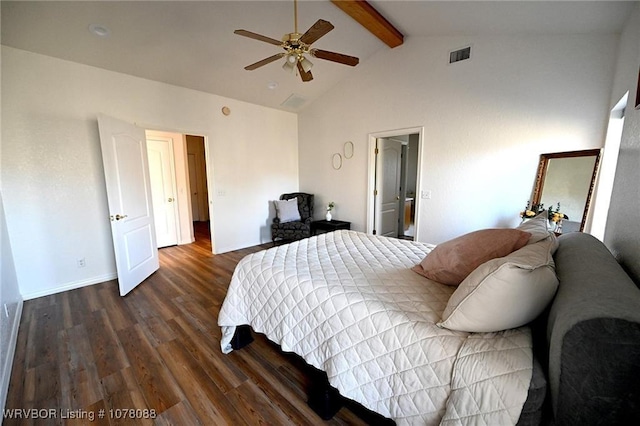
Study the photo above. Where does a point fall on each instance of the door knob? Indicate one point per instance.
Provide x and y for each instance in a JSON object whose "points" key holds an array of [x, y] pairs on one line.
{"points": [[118, 217], [170, 199]]}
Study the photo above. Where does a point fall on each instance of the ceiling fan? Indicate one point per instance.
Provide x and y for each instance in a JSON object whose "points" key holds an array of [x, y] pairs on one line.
{"points": [[298, 45]]}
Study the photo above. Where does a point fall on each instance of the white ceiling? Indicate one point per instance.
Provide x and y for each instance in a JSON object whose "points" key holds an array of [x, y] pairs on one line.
{"points": [[191, 44]]}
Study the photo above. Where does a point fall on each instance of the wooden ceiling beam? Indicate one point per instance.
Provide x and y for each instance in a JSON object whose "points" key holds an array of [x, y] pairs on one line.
{"points": [[372, 20]]}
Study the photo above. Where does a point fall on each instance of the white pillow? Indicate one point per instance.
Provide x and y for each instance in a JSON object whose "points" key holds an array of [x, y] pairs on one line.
{"points": [[504, 293], [287, 210], [538, 227]]}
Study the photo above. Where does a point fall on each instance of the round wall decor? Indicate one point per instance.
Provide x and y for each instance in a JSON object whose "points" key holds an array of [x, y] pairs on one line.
{"points": [[336, 161], [348, 149]]}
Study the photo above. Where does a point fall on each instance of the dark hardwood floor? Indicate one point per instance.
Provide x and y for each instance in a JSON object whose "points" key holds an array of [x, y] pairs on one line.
{"points": [[157, 348]]}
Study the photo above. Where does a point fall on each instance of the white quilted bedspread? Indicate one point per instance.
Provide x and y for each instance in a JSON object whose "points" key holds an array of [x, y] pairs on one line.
{"points": [[348, 303]]}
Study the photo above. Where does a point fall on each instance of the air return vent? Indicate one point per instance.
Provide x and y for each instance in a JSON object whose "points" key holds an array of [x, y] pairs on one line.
{"points": [[460, 55], [294, 101]]}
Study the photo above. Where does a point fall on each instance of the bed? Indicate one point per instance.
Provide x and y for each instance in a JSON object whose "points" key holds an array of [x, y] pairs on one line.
{"points": [[349, 304]]}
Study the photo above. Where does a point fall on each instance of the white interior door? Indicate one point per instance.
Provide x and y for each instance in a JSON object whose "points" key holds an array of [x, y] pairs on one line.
{"points": [[126, 170], [388, 182], [193, 187], [198, 176], [162, 177]]}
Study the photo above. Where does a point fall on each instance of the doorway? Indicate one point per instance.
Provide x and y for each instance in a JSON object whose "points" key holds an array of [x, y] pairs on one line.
{"points": [[392, 204], [178, 164], [607, 173], [196, 160]]}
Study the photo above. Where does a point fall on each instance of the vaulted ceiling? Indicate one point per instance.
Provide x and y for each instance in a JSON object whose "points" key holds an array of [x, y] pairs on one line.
{"points": [[192, 44]]}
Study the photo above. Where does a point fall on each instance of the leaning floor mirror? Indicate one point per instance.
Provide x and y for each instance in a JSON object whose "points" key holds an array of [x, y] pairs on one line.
{"points": [[567, 178]]}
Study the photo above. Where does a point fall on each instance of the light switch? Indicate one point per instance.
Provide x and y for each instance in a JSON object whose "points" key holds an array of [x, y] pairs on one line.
{"points": [[426, 195]]}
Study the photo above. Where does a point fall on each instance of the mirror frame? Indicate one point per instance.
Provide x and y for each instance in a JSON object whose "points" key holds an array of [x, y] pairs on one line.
{"points": [[542, 173]]}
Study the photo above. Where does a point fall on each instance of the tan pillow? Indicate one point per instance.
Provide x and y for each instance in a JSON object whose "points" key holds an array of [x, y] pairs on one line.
{"points": [[538, 227], [450, 262], [504, 293]]}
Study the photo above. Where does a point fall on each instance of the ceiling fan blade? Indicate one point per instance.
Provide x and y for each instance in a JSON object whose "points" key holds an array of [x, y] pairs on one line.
{"points": [[264, 62], [304, 75], [335, 57], [260, 37], [319, 29]]}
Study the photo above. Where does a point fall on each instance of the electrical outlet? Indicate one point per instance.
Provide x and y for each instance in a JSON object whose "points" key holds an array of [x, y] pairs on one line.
{"points": [[81, 263]]}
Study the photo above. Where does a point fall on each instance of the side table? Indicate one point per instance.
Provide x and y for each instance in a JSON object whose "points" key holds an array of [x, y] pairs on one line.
{"points": [[328, 226]]}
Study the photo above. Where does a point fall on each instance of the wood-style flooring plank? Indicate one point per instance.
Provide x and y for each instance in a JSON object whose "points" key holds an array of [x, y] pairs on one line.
{"points": [[254, 407], [270, 383], [79, 380], [157, 331], [210, 404], [121, 391], [47, 322], [156, 382], [119, 313], [180, 414], [104, 344], [222, 370], [158, 348]]}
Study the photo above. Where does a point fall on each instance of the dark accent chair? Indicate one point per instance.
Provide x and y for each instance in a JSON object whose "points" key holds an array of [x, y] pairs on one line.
{"points": [[295, 230]]}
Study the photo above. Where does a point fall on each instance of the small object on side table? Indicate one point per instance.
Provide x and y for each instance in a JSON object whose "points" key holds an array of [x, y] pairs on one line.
{"points": [[328, 225]]}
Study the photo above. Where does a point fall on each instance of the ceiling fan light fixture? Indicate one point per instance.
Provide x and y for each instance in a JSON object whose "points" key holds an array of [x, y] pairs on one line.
{"points": [[289, 67], [292, 59], [306, 64]]}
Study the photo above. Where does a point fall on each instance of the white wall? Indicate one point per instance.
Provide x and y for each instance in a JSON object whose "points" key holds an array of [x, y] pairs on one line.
{"points": [[622, 234], [53, 184], [10, 298], [486, 121]]}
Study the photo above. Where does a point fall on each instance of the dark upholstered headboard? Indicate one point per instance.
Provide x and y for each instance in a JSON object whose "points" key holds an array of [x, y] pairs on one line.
{"points": [[593, 337]]}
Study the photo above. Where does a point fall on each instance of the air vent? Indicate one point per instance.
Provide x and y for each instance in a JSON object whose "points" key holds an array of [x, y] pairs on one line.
{"points": [[460, 55], [294, 101]]}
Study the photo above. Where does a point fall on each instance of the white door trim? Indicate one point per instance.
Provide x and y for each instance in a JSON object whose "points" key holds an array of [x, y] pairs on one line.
{"points": [[371, 177]]}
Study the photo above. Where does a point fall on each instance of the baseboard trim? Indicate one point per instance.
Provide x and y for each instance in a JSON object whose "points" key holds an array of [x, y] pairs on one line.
{"points": [[8, 362], [70, 286]]}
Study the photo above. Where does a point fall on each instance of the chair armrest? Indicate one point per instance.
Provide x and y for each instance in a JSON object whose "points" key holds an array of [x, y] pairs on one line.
{"points": [[593, 335]]}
